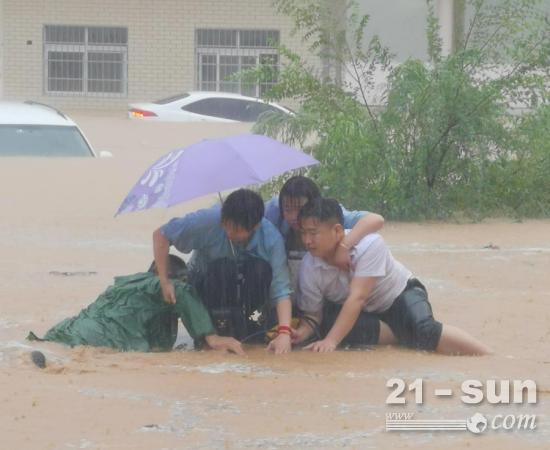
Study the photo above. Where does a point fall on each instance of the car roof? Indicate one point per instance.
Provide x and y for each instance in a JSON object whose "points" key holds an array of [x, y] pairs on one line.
{"points": [[31, 113], [217, 94], [207, 94]]}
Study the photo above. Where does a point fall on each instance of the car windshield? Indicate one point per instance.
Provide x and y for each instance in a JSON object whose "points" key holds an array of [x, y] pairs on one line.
{"points": [[42, 140], [174, 98]]}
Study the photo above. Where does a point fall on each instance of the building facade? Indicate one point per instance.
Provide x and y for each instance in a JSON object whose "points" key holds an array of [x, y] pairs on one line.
{"points": [[102, 54]]}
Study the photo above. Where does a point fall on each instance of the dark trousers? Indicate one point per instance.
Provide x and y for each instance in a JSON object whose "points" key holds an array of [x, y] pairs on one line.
{"points": [[365, 331], [410, 318], [232, 291]]}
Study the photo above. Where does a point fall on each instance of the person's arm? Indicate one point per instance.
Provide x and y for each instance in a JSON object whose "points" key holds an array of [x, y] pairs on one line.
{"points": [[284, 312], [224, 343], [305, 329], [161, 248], [309, 298], [280, 289], [186, 233], [369, 223], [360, 289], [279, 292], [362, 226], [197, 320], [282, 342]]}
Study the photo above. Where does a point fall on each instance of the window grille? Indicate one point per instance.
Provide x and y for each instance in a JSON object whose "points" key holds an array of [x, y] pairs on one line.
{"points": [[88, 61], [220, 54]]}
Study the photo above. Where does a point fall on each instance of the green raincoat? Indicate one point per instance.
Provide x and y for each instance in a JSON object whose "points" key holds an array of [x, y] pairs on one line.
{"points": [[131, 315]]}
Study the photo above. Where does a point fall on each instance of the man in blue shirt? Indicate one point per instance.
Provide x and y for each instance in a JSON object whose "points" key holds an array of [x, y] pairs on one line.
{"points": [[238, 264]]}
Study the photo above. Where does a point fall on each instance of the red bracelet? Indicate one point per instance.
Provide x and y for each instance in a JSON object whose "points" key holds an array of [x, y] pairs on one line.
{"points": [[283, 329]]}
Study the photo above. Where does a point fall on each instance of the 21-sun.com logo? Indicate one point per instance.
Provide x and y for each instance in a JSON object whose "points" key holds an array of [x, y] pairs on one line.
{"points": [[474, 392]]}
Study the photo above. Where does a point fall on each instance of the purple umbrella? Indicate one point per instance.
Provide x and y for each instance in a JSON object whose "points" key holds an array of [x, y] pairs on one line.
{"points": [[210, 166]]}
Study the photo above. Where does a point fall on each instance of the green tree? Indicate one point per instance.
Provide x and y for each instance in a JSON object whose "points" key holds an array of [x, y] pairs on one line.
{"points": [[448, 137]]}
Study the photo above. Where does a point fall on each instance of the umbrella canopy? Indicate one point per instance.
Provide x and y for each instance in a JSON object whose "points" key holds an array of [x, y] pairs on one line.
{"points": [[210, 166]]}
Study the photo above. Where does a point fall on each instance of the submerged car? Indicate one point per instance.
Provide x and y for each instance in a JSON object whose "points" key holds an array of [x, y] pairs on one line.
{"points": [[35, 129], [204, 106]]}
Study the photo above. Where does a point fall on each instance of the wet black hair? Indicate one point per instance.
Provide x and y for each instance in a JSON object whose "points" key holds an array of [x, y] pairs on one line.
{"points": [[243, 208], [176, 267], [326, 210], [298, 186]]}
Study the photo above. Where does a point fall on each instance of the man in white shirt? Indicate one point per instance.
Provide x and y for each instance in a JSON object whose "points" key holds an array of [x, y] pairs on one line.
{"points": [[376, 286]]}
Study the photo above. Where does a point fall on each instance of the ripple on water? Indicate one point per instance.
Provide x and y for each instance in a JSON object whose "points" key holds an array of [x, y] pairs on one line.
{"points": [[220, 368]]}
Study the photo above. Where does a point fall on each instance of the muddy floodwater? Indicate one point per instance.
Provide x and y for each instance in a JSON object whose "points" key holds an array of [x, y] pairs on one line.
{"points": [[60, 246]]}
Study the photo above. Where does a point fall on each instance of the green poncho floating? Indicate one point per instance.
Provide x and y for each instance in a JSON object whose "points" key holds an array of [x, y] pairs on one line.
{"points": [[131, 315]]}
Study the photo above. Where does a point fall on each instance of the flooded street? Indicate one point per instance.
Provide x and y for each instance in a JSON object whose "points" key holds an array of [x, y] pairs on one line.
{"points": [[61, 246]]}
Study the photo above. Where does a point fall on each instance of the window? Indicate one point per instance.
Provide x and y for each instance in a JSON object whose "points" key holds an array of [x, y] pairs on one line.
{"points": [[225, 108], [229, 108], [42, 140], [85, 60], [255, 109], [223, 53]]}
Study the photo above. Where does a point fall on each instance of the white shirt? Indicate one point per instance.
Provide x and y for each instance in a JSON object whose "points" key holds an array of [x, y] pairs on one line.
{"points": [[369, 258]]}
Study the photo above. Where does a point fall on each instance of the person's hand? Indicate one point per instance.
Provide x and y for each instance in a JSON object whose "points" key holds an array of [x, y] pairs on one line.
{"points": [[224, 343], [342, 258], [326, 345], [168, 292], [281, 344], [299, 334]]}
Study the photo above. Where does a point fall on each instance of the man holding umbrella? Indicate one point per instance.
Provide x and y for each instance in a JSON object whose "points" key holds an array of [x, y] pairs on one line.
{"points": [[238, 266]]}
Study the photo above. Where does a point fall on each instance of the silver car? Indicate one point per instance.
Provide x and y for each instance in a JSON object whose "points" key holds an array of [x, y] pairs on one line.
{"points": [[204, 107], [35, 129]]}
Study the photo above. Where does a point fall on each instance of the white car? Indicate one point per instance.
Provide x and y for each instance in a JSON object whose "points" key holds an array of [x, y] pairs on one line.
{"points": [[35, 129], [204, 106]]}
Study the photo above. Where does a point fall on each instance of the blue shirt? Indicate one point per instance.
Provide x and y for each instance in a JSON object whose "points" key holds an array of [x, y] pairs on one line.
{"points": [[201, 232], [273, 214]]}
